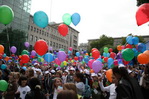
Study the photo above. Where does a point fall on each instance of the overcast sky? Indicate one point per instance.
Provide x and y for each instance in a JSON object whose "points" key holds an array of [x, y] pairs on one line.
{"points": [[114, 18]]}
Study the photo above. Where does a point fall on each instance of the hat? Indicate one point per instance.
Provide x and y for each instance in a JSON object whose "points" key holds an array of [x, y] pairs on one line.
{"points": [[52, 71], [46, 72], [87, 71], [71, 68], [99, 74], [66, 71], [121, 65], [38, 70], [93, 74], [36, 64], [129, 71]]}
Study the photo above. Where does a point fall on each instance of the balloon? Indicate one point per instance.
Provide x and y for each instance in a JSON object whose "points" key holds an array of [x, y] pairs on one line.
{"points": [[120, 61], [141, 47], [127, 54], [3, 66], [86, 59], [119, 47], [93, 49], [77, 54], [90, 63], [128, 46], [65, 63], [125, 62], [115, 62], [75, 18], [146, 53], [80, 58], [63, 29], [105, 59], [6, 58], [69, 52], [61, 56], [70, 48], [96, 66], [41, 47], [135, 40], [143, 58], [48, 57], [57, 61], [6, 14], [4, 55], [109, 74], [40, 18], [135, 51], [110, 49], [33, 53], [129, 40], [106, 50], [25, 58], [3, 85], [25, 52], [67, 18], [91, 71], [75, 58], [123, 47], [13, 49], [110, 62], [26, 44], [99, 59], [95, 54], [142, 14], [112, 55], [24, 68], [1, 49], [50, 48]]}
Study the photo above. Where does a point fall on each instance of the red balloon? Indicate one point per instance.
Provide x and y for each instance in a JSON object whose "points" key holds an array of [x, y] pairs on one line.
{"points": [[75, 58], [63, 29], [128, 46], [25, 58], [116, 62], [41, 47], [110, 49], [125, 62], [93, 49], [112, 55], [142, 14], [105, 59], [95, 54]]}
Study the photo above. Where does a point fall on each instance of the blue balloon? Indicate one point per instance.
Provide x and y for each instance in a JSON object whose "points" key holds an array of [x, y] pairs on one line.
{"points": [[3, 66], [135, 40], [40, 18], [120, 61], [75, 18], [110, 62], [24, 68], [141, 47], [49, 57], [135, 51], [99, 59], [85, 52], [129, 40], [106, 54], [86, 59], [4, 55], [78, 54], [69, 52]]}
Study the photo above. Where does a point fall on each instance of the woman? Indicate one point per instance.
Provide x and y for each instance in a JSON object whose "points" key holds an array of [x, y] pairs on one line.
{"points": [[67, 94], [127, 87]]}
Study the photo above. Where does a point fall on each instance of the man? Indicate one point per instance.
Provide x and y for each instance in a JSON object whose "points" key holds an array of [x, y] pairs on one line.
{"points": [[70, 77]]}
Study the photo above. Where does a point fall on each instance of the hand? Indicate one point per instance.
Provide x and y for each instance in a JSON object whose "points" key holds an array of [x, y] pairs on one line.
{"points": [[17, 92]]}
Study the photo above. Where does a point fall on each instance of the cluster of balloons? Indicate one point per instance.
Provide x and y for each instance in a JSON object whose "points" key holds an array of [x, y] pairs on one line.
{"points": [[6, 14], [74, 18]]}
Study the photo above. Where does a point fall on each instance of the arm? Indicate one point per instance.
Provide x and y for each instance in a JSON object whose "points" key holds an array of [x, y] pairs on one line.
{"points": [[104, 88]]}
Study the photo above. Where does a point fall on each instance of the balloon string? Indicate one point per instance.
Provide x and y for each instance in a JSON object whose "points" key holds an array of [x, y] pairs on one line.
{"points": [[8, 39]]}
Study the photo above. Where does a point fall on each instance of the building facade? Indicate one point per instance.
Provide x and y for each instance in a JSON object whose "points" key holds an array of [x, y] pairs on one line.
{"points": [[21, 9], [83, 47], [51, 35]]}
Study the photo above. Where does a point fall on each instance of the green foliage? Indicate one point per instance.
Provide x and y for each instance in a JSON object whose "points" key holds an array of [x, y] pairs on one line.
{"points": [[16, 38], [139, 2]]}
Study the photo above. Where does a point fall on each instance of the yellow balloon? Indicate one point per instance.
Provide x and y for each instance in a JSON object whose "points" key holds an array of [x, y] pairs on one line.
{"points": [[42, 60], [65, 63], [72, 61]]}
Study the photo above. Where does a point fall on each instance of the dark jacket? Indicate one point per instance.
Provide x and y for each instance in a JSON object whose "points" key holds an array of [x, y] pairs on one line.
{"points": [[129, 89], [31, 95]]}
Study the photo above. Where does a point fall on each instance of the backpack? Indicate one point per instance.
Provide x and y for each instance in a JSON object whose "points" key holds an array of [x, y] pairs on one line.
{"points": [[87, 91]]}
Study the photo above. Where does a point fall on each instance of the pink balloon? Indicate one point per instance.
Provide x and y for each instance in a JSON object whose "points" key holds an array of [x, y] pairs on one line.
{"points": [[116, 62], [70, 48], [57, 61], [90, 63]]}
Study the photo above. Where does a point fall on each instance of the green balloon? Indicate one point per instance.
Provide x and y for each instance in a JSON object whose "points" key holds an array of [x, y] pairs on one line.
{"points": [[6, 14], [127, 54], [67, 19], [61, 49], [90, 54], [62, 64], [106, 50], [25, 52], [56, 65], [3, 85], [39, 59]]}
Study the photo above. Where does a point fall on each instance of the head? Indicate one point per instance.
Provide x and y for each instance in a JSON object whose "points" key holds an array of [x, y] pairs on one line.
{"points": [[58, 74], [114, 80], [29, 72], [120, 72], [67, 94], [14, 76], [79, 77], [70, 86], [22, 81], [57, 82], [71, 72], [34, 84]]}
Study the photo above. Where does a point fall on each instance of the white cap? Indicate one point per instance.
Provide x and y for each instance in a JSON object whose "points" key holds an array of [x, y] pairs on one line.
{"points": [[66, 71], [121, 65], [99, 74], [71, 68], [87, 71], [52, 71], [93, 74], [38, 70], [129, 71], [46, 72], [36, 64]]}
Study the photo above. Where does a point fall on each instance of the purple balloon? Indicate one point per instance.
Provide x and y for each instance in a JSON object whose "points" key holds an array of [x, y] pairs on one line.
{"points": [[119, 56], [97, 66], [27, 44], [50, 48], [33, 53], [80, 58], [62, 56], [13, 49]]}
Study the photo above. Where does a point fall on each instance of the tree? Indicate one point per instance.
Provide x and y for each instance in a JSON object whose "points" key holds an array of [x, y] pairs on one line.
{"points": [[139, 2], [10, 37]]}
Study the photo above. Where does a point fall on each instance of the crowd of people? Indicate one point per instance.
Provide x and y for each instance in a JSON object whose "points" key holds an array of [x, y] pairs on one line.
{"points": [[74, 82]]}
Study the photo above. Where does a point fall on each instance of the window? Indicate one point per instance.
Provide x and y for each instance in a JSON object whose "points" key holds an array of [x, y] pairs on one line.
{"points": [[28, 27], [47, 34], [36, 38], [31, 37], [53, 44], [31, 28], [50, 43], [59, 45], [42, 32], [37, 30], [34, 29], [56, 45]]}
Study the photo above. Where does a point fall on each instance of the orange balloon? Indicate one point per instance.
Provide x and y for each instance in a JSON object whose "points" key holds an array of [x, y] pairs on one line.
{"points": [[1, 49], [86, 54], [91, 71], [119, 47], [6, 58], [143, 58], [147, 54], [109, 74]]}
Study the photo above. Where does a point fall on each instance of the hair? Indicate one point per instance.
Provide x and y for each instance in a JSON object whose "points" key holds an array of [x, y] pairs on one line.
{"points": [[55, 81], [21, 79], [31, 72], [1, 73], [80, 76], [59, 73], [146, 70], [16, 75], [70, 86], [67, 94], [122, 71]]}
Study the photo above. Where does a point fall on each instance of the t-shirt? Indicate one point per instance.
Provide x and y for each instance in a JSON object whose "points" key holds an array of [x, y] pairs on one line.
{"points": [[23, 91], [80, 88]]}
